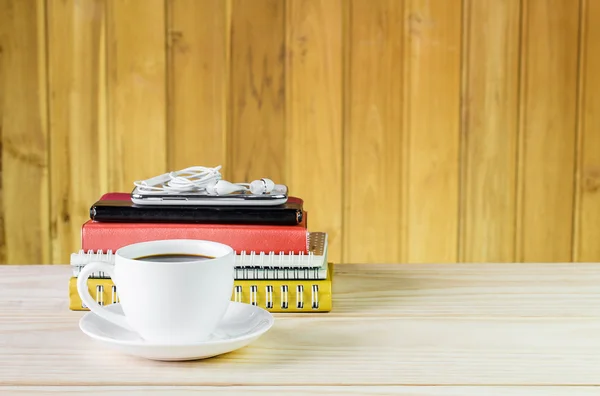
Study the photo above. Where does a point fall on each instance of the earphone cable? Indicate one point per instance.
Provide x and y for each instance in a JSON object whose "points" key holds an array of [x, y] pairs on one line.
{"points": [[195, 178]]}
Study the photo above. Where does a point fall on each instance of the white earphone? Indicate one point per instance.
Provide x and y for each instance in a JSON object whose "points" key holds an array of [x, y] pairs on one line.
{"points": [[201, 178], [257, 187]]}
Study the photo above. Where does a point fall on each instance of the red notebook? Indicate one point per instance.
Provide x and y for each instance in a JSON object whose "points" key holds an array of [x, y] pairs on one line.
{"points": [[242, 238]]}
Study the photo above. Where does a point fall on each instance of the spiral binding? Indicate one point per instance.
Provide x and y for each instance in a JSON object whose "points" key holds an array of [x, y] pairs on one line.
{"points": [[284, 296], [99, 298], [238, 294], [245, 267], [290, 260], [115, 296], [315, 257], [269, 297], [253, 290], [269, 300], [300, 297], [277, 273]]}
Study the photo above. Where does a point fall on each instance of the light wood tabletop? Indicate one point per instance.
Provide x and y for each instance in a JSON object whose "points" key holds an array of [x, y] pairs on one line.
{"points": [[451, 329]]}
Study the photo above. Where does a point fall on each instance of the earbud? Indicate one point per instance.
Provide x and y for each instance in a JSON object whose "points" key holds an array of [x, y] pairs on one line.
{"points": [[262, 186], [223, 187]]}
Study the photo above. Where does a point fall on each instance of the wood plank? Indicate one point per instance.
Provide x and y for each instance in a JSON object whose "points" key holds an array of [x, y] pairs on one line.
{"points": [[587, 247], [489, 131], [77, 111], [467, 290], [546, 333], [24, 133], [256, 141], [4, 31], [367, 290], [373, 137], [432, 120], [323, 351], [434, 390], [198, 35], [136, 92], [548, 129], [314, 114]]}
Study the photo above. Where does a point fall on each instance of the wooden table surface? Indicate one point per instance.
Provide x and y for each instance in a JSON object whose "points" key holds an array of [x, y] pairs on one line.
{"points": [[493, 329]]}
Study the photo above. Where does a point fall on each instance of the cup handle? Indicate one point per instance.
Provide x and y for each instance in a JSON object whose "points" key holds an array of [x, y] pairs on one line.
{"points": [[84, 293]]}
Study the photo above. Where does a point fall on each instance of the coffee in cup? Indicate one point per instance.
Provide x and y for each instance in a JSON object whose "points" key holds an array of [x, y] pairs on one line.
{"points": [[171, 291]]}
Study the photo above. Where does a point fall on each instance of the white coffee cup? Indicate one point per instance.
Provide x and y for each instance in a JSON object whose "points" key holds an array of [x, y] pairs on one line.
{"points": [[175, 302]]}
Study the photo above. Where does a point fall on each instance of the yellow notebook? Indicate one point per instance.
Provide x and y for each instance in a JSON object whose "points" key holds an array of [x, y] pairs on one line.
{"points": [[279, 295]]}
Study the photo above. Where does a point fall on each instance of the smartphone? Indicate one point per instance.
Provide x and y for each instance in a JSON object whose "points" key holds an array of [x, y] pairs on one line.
{"points": [[278, 196]]}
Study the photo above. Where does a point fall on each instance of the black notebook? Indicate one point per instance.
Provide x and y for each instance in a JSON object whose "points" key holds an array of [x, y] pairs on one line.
{"points": [[125, 211]]}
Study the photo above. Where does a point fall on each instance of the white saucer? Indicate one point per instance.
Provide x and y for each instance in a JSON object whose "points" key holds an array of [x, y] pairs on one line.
{"points": [[242, 324]]}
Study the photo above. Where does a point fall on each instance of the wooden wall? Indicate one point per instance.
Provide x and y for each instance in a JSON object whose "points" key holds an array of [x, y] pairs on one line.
{"points": [[415, 130]]}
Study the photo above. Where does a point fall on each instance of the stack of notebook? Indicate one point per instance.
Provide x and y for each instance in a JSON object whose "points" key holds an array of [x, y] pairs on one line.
{"points": [[279, 264]]}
